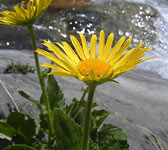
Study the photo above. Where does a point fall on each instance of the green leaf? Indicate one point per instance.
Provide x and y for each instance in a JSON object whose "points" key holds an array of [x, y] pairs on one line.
{"points": [[55, 95], [23, 125], [26, 96], [4, 143], [45, 72], [99, 116], [68, 133], [80, 116], [114, 81], [19, 147], [71, 109], [44, 118], [68, 109], [93, 145], [112, 137], [7, 130]]}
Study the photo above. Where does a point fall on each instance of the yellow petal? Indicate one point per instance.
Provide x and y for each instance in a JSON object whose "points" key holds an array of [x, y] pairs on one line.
{"points": [[85, 46], [70, 67], [52, 47], [108, 46], [122, 69], [101, 44], [78, 47], [53, 67], [22, 9], [136, 49], [93, 44], [121, 51], [19, 12], [130, 54], [63, 74], [115, 48], [138, 55], [145, 59], [29, 10], [70, 53], [51, 57]]}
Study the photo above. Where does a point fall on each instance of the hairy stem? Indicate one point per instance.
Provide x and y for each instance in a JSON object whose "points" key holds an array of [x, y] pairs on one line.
{"points": [[86, 128], [42, 84]]}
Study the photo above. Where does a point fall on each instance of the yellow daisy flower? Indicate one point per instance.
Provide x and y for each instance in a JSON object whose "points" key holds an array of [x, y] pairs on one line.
{"points": [[93, 65], [24, 16]]}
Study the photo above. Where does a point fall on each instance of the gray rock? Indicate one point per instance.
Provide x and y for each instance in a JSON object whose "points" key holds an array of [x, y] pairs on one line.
{"points": [[138, 104]]}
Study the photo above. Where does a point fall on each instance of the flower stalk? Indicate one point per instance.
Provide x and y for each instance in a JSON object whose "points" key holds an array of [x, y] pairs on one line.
{"points": [[86, 128], [44, 93], [80, 102]]}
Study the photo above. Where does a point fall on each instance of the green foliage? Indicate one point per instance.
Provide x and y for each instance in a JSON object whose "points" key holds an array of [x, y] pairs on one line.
{"points": [[19, 68], [4, 143], [93, 145], [24, 127], [28, 97], [19, 128], [112, 137], [68, 133], [99, 116], [6, 130], [45, 72], [19, 147], [55, 95], [76, 106], [108, 137], [70, 109]]}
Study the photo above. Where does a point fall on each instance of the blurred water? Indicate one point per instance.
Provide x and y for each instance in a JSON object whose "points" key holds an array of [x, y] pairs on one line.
{"points": [[160, 48]]}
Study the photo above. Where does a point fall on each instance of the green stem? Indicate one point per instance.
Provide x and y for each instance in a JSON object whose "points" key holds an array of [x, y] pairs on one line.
{"points": [[46, 101], [86, 129]]}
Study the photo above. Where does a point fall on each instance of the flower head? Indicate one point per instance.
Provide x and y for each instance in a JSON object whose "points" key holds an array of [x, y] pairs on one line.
{"points": [[24, 16], [93, 65]]}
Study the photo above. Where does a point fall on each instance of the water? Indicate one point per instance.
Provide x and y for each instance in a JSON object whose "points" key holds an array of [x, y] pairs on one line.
{"points": [[160, 47]]}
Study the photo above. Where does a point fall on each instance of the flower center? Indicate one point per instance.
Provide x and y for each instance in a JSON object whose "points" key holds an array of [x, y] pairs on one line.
{"points": [[98, 66]]}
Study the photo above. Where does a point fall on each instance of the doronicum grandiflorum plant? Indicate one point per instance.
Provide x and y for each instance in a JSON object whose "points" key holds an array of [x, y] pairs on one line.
{"points": [[92, 65], [26, 14]]}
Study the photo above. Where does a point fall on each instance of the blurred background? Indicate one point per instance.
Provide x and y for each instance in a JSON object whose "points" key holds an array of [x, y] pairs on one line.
{"points": [[139, 103], [143, 20]]}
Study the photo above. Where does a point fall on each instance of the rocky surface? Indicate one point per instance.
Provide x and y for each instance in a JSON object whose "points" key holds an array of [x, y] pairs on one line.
{"points": [[138, 104]]}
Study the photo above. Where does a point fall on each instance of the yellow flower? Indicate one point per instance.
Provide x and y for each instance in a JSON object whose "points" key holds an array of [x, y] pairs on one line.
{"points": [[94, 65], [24, 16]]}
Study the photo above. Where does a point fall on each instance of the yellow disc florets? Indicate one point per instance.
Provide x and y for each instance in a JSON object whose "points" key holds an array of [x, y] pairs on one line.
{"points": [[98, 66]]}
